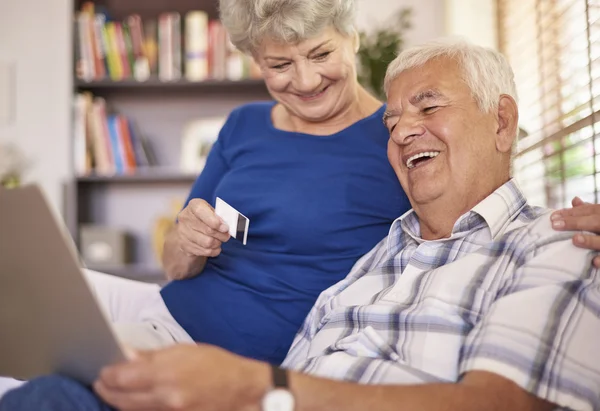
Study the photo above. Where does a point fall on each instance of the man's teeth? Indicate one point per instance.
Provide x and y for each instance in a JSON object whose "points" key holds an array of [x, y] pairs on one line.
{"points": [[410, 162]]}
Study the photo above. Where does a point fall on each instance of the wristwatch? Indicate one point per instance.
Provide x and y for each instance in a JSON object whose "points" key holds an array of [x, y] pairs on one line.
{"points": [[280, 397]]}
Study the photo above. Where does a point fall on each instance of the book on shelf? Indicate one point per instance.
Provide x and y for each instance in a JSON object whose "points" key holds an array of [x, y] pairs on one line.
{"points": [[170, 47], [106, 143]]}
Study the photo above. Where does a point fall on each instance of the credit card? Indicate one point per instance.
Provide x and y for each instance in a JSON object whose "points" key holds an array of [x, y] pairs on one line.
{"points": [[237, 222]]}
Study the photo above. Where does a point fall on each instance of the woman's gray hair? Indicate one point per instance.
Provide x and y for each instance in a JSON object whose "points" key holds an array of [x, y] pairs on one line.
{"points": [[485, 71], [289, 21]]}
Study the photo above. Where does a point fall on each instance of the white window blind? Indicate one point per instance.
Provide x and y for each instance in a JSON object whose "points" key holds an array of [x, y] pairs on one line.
{"points": [[554, 49]]}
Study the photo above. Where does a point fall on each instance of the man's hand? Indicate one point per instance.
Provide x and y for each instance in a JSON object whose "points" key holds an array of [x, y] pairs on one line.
{"points": [[582, 217], [184, 377]]}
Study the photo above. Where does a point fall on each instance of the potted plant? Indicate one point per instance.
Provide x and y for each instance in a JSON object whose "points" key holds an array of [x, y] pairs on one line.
{"points": [[12, 165], [378, 48]]}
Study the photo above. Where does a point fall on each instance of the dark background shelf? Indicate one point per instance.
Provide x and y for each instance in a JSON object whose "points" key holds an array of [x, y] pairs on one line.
{"points": [[119, 9], [142, 177], [155, 83]]}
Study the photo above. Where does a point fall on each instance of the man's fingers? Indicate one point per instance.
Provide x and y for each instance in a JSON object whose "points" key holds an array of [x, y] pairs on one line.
{"points": [[591, 242], [597, 261], [126, 400], [133, 375]]}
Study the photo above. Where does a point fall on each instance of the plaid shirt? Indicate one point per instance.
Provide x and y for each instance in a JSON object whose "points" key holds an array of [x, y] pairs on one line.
{"points": [[505, 294]]}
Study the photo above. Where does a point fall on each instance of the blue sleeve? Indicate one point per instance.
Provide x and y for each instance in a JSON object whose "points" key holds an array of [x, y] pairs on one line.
{"points": [[216, 164]]}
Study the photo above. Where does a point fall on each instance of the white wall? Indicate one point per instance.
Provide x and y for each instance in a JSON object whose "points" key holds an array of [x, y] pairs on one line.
{"points": [[427, 17], [35, 35], [475, 20]]}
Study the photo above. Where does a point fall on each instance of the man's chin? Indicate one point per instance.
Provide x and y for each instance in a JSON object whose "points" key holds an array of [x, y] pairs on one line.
{"points": [[423, 194]]}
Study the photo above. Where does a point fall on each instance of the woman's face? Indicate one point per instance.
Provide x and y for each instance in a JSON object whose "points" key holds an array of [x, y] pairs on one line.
{"points": [[315, 78]]}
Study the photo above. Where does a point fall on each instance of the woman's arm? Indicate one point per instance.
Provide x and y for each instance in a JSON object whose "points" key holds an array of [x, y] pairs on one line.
{"points": [[582, 217], [198, 233], [177, 263]]}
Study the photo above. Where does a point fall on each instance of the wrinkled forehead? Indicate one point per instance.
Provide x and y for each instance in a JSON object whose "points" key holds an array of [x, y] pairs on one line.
{"points": [[431, 81], [270, 46]]}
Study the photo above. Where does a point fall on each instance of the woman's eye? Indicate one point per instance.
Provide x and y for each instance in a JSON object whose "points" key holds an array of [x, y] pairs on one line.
{"points": [[322, 56]]}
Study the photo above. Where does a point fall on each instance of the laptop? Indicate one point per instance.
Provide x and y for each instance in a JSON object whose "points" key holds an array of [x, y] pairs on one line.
{"points": [[50, 322]]}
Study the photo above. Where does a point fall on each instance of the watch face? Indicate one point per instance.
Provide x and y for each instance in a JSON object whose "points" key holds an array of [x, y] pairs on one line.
{"points": [[278, 400]]}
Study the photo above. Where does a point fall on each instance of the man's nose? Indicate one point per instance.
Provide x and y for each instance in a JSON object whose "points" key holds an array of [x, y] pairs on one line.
{"points": [[408, 128]]}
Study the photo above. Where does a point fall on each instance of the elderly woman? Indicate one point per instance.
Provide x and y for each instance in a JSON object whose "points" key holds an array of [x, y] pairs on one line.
{"points": [[310, 171]]}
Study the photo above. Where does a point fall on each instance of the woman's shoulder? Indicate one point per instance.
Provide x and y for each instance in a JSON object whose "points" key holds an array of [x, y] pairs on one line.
{"points": [[247, 117], [373, 126], [253, 109]]}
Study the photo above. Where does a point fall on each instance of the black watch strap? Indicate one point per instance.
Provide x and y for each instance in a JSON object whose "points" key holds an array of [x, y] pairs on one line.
{"points": [[280, 377]]}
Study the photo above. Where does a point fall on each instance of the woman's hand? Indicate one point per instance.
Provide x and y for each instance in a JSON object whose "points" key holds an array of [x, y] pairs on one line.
{"points": [[582, 217], [199, 231]]}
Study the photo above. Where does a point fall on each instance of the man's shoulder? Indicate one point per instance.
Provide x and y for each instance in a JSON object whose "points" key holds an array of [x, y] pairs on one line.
{"points": [[531, 233]]}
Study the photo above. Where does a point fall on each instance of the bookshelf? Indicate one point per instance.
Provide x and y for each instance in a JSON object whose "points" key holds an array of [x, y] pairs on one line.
{"points": [[135, 200], [253, 85]]}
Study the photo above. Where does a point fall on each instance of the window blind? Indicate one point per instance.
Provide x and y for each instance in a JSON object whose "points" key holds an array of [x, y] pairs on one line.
{"points": [[554, 49]]}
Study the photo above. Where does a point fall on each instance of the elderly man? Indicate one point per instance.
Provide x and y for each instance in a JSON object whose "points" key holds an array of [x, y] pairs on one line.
{"points": [[472, 301]]}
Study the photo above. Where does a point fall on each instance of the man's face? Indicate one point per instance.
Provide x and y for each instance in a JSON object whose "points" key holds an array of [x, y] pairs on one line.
{"points": [[442, 146]]}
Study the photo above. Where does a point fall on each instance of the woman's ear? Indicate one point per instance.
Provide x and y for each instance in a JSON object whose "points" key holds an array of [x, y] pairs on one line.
{"points": [[356, 41]]}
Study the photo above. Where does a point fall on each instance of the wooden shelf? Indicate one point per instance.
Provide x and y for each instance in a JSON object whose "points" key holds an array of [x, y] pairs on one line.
{"points": [[147, 176], [156, 84]]}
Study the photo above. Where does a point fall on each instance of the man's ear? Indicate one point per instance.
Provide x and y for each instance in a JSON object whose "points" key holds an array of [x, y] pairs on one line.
{"points": [[508, 122]]}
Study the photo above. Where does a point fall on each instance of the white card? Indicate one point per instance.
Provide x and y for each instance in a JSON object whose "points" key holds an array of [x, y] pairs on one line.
{"points": [[237, 222]]}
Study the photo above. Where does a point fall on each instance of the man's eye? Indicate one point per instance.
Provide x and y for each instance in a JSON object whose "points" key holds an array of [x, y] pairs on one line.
{"points": [[427, 110], [280, 66]]}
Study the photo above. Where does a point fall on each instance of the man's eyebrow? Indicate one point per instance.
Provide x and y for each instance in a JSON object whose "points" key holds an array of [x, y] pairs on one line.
{"points": [[431, 94]]}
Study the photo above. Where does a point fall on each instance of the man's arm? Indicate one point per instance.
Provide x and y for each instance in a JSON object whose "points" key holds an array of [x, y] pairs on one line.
{"points": [[477, 391], [188, 377]]}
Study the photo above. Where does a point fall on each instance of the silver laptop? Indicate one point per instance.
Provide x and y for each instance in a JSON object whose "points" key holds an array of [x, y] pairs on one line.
{"points": [[50, 321]]}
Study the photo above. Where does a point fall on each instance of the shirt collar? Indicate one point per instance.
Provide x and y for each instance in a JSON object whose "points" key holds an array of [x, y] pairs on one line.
{"points": [[495, 212]]}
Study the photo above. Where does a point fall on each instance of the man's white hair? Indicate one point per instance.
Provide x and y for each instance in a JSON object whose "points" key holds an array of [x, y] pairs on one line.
{"points": [[249, 22], [485, 71]]}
